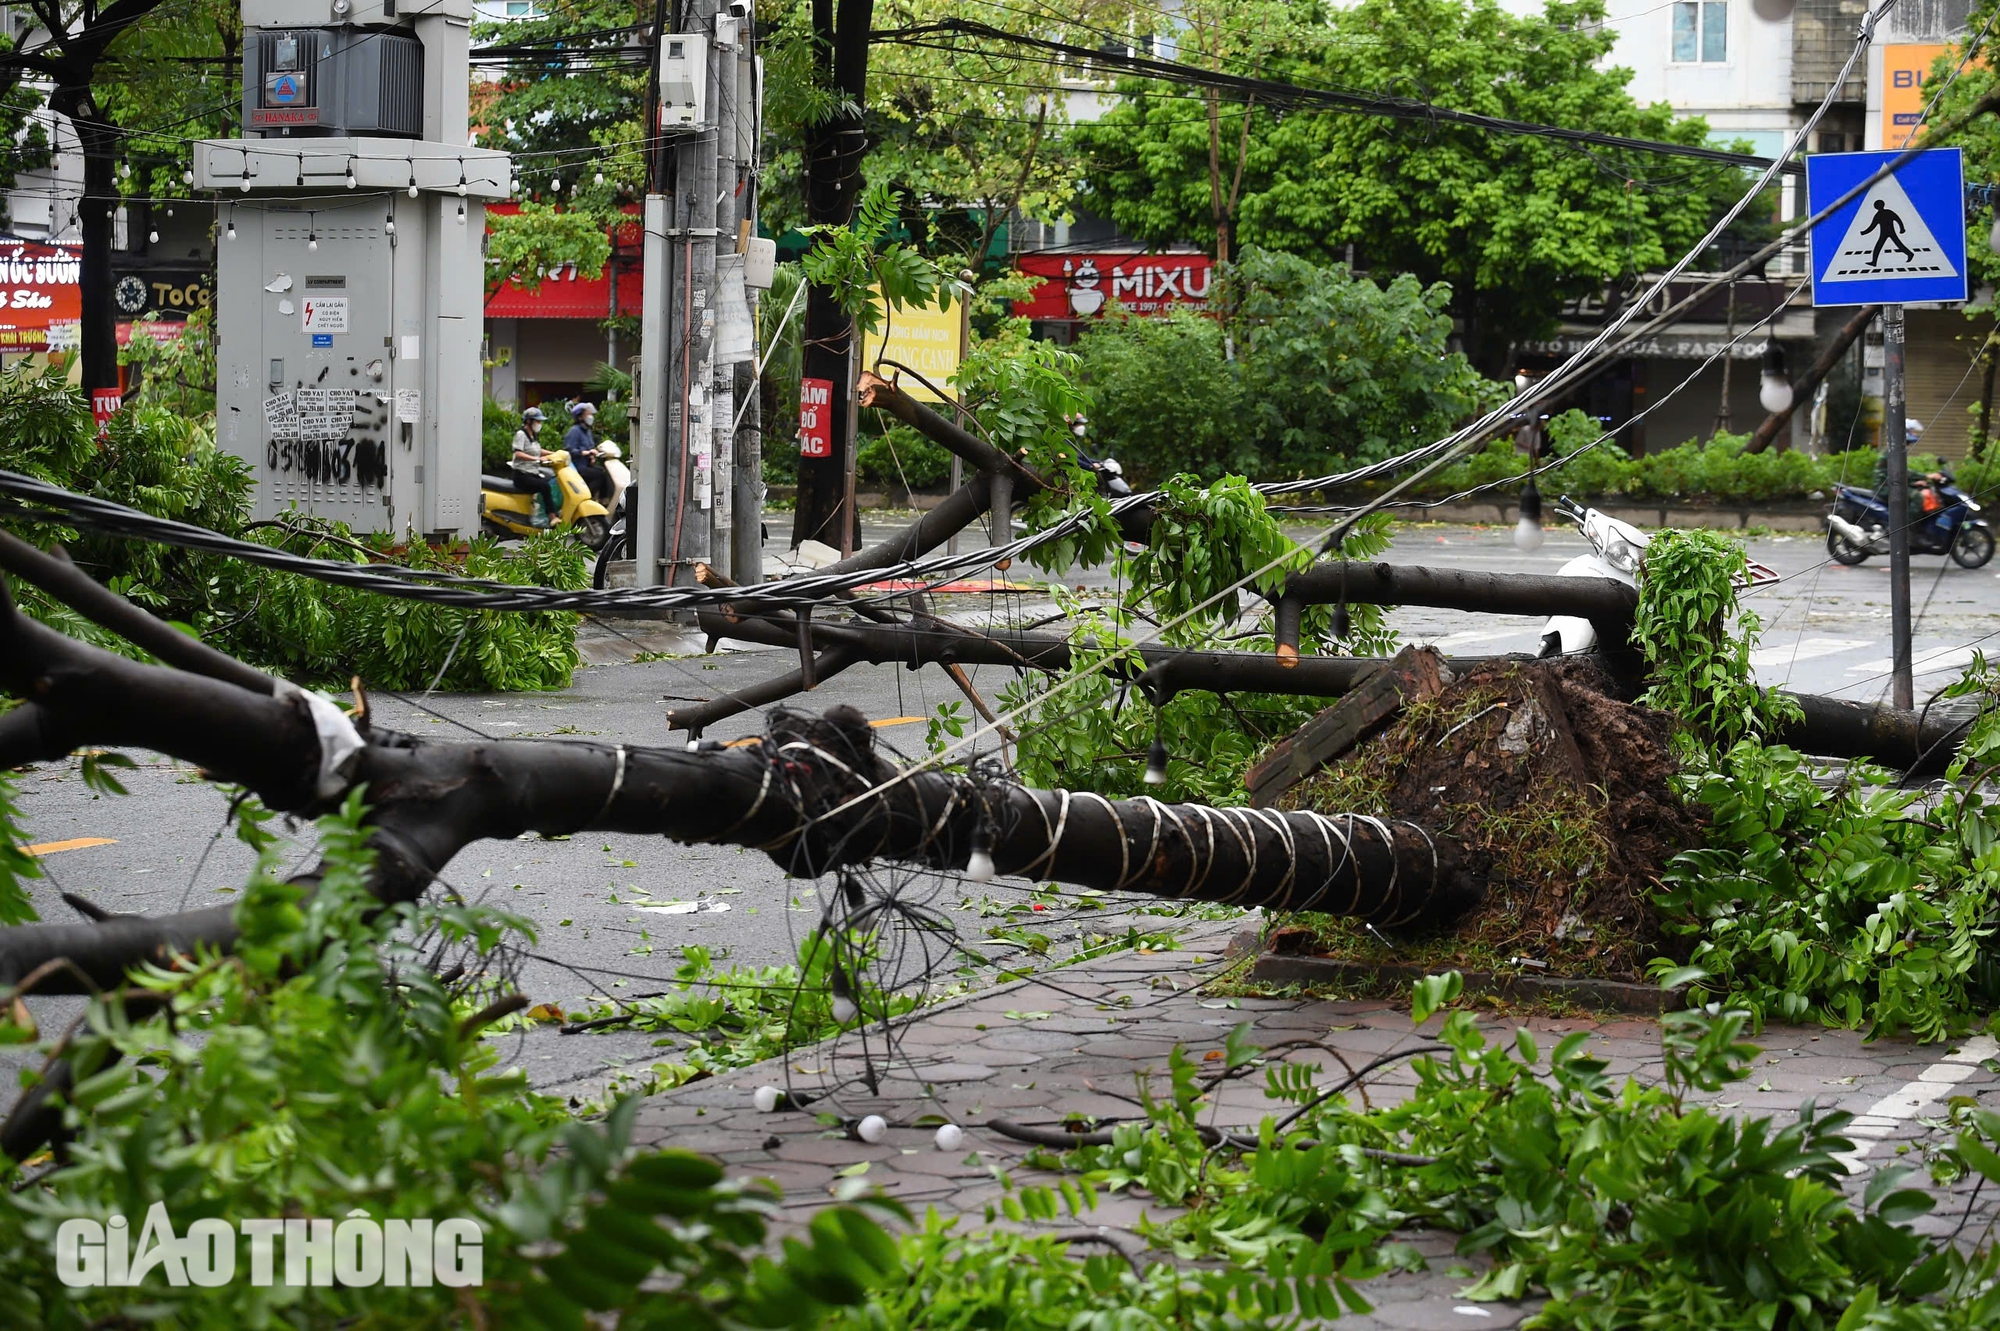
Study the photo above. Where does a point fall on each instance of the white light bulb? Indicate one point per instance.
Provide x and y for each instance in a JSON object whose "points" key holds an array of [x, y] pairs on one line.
{"points": [[1521, 382], [844, 1010], [1528, 534], [231, 233], [389, 226], [600, 177], [1156, 763], [766, 1098], [461, 213], [125, 170], [187, 177], [555, 186], [312, 242], [244, 184], [413, 189], [872, 1129], [153, 236], [1774, 393], [350, 177], [950, 1137], [979, 866]]}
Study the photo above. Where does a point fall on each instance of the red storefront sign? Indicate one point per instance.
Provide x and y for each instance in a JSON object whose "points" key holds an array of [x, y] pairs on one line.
{"points": [[41, 304], [566, 294], [1079, 286], [815, 418], [104, 404]]}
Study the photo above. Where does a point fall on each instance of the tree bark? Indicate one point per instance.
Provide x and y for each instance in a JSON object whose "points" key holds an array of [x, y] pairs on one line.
{"points": [[1807, 383], [834, 149]]}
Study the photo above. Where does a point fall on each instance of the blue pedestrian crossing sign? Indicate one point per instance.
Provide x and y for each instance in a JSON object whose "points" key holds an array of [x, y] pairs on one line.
{"points": [[1901, 241]]}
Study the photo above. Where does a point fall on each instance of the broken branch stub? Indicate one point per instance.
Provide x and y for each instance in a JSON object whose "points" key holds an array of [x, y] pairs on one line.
{"points": [[1414, 672]]}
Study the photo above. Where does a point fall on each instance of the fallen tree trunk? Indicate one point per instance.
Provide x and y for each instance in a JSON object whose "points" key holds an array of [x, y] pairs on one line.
{"points": [[1921, 743], [814, 795], [1168, 670], [1607, 603]]}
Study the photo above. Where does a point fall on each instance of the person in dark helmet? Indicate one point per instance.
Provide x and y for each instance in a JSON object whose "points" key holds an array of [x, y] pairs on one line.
{"points": [[581, 445]]}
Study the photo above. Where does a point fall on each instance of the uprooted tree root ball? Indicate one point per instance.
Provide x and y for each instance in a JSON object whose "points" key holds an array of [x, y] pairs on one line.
{"points": [[1558, 795]]}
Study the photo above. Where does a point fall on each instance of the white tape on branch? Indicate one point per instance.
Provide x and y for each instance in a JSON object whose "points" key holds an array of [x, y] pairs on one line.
{"points": [[339, 741]]}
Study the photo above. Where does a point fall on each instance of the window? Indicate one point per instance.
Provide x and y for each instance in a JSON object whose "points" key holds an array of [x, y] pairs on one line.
{"points": [[1701, 31], [521, 9]]}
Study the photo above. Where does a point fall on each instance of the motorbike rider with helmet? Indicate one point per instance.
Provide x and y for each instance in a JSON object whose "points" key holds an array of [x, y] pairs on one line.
{"points": [[527, 463], [581, 445], [1913, 433]]}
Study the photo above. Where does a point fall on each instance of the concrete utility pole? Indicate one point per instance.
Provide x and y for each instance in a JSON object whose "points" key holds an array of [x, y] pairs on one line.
{"points": [[1895, 450], [746, 475], [690, 500]]}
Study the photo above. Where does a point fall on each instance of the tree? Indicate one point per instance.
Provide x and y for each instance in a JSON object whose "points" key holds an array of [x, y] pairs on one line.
{"points": [[567, 98], [1329, 369], [69, 50], [1517, 225]]}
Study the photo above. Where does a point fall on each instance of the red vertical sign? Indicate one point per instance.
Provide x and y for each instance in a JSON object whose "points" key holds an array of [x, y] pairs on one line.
{"points": [[104, 404], [815, 418]]}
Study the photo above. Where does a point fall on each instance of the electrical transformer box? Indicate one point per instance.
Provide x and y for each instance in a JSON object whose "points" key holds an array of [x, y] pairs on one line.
{"points": [[308, 82]]}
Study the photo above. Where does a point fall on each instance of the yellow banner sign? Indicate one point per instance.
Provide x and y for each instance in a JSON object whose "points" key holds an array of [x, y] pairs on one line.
{"points": [[923, 340], [1905, 72]]}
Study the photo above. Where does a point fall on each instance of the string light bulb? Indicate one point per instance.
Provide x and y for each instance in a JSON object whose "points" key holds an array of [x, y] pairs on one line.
{"points": [[1156, 763], [153, 236], [230, 234], [461, 211], [389, 225], [124, 170], [979, 865], [1774, 388], [244, 183], [187, 176], [351, 182], [872, 1129], [1528, 531], [600, 180]]}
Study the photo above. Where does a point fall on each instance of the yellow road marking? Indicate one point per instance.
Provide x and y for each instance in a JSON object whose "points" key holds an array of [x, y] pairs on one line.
{"points": [[897, 720], [75, 843]]}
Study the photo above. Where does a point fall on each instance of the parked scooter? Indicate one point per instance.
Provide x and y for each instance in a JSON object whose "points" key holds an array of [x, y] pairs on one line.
{"points": [[1858, 527], [509, 505], [1616, 549]]}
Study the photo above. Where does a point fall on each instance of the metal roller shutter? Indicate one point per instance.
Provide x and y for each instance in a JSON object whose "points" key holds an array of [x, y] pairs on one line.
{"points": [[1942, 382]]}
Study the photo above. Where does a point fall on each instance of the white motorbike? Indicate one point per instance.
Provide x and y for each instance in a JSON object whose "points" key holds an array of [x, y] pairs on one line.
{"points": [[1616, 549]]}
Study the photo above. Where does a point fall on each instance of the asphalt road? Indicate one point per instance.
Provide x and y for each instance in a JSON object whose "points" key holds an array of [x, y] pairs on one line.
{"points": [[612, 912]]}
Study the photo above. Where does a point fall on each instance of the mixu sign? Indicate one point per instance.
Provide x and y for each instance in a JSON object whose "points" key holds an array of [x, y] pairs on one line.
{"points": [[358, 1251], [1080, 286]]}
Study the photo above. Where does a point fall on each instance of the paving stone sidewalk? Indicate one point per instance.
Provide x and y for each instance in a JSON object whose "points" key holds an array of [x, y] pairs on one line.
{"points": [[1073, 1041]]}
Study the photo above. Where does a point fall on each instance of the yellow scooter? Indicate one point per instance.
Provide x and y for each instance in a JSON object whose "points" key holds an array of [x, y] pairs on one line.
{"points": [[508, 503]]}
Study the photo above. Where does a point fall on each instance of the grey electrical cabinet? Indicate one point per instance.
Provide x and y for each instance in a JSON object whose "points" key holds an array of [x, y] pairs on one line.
{"points": [[312, 82], [348, 366]]}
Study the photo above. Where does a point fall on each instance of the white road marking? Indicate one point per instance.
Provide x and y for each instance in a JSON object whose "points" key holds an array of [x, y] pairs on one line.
{"points": [[1462, 639], [1934, 662], [1806, 650], [1915, 1098]]}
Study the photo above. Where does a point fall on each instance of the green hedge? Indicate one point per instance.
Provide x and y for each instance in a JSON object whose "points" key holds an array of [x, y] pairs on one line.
{"points": [[1717, 470]]}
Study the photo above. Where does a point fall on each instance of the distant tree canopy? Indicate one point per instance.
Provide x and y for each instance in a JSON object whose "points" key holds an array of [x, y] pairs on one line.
{"points": [[1517, 225], [1327, 369]]}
